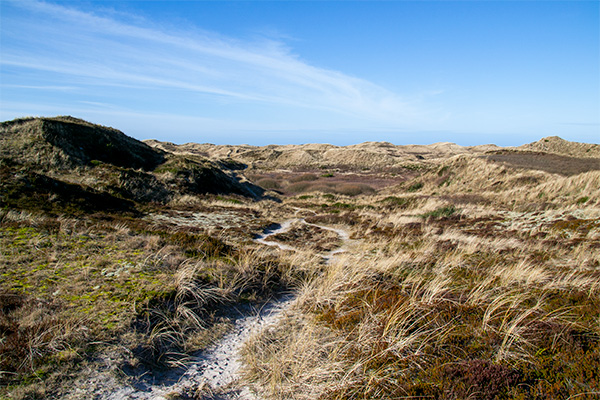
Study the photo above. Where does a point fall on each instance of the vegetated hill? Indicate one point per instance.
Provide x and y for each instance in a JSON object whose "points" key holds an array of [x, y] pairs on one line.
{"points": [[482, 179], [368, 155], [67, 164], [557, 145], [67, 142], [549, 162]]}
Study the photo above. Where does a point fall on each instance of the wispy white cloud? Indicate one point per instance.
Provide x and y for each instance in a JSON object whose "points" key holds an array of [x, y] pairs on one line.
{"points": [[41, 87], [99, 53]]}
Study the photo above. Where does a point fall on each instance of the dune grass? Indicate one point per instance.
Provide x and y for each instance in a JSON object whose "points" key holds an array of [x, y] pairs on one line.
{"points": [[491, 300], [144, 293], [471, 280]]}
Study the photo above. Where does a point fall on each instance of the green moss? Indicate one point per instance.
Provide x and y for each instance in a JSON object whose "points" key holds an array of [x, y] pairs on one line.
{"points": [[415, 187]]}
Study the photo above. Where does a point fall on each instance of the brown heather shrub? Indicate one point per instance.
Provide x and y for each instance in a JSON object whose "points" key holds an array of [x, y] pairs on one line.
{"points": [[354, 189], [323, 188], [268, 183], [480, 378], [299, 187], [304, 178]]}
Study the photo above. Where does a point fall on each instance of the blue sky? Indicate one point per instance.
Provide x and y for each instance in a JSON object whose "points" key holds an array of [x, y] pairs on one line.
{"points": [[261, 72]]}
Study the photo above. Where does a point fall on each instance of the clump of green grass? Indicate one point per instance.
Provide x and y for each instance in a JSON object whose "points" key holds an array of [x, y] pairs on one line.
{"points": [[582, 200], [415, 187], [398, 202], [441, 212]]}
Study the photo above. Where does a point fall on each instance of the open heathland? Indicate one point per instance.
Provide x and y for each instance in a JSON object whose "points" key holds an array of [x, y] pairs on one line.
{"points": [[437, 271]]}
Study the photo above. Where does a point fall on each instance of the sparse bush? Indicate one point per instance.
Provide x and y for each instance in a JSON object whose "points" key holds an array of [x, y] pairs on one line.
{"points": [[304, 178], [323, 188], [440, 212], [268, 183], [582, 200], [415, 187], [299, 187], [399, 202], [354, 189]]}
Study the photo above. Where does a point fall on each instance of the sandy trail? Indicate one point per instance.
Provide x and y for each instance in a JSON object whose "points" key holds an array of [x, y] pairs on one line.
{"points": [[214, 374]]}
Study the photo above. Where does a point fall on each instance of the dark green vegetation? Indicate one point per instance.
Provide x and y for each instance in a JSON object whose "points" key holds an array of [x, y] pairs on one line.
{"points": [[68, 165]]}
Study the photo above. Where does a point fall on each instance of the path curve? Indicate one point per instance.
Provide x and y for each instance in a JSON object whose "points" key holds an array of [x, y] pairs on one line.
{"points": [[215, 372]]}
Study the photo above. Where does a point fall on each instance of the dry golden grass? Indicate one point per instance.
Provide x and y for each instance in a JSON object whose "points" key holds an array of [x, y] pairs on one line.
{"points": [[469, 280], [481, 300]]}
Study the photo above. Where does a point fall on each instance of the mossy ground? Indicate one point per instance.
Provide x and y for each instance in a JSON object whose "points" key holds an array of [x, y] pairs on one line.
{"points": [[72, 289]]}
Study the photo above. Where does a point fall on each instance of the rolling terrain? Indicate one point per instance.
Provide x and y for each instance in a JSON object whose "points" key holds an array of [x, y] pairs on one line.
{"points": [[434, 271]]}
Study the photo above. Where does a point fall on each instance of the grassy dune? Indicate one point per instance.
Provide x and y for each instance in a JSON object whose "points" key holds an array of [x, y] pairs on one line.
{"points": [[463, 288], [465, 275]]}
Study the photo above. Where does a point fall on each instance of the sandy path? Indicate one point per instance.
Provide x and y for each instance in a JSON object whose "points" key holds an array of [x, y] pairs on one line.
{"points": [[214, 374]]}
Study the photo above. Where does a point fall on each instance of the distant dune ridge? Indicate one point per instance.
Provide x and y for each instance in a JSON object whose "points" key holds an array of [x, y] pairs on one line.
{"points": [[556, 145], [67, 142], [367, 154], [363, 155], [67, 158]]}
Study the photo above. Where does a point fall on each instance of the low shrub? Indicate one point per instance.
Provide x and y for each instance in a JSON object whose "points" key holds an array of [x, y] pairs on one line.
{"points": [[398, 202], [354, 189], [415, 187], [268, 183], [304, 178], [299, 187], [440, 212]]}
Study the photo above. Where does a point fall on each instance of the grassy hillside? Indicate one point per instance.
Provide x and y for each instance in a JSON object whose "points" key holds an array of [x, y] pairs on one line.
{"points": [[94, 263], [460, 273], [66, 164], [470, 281]]}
